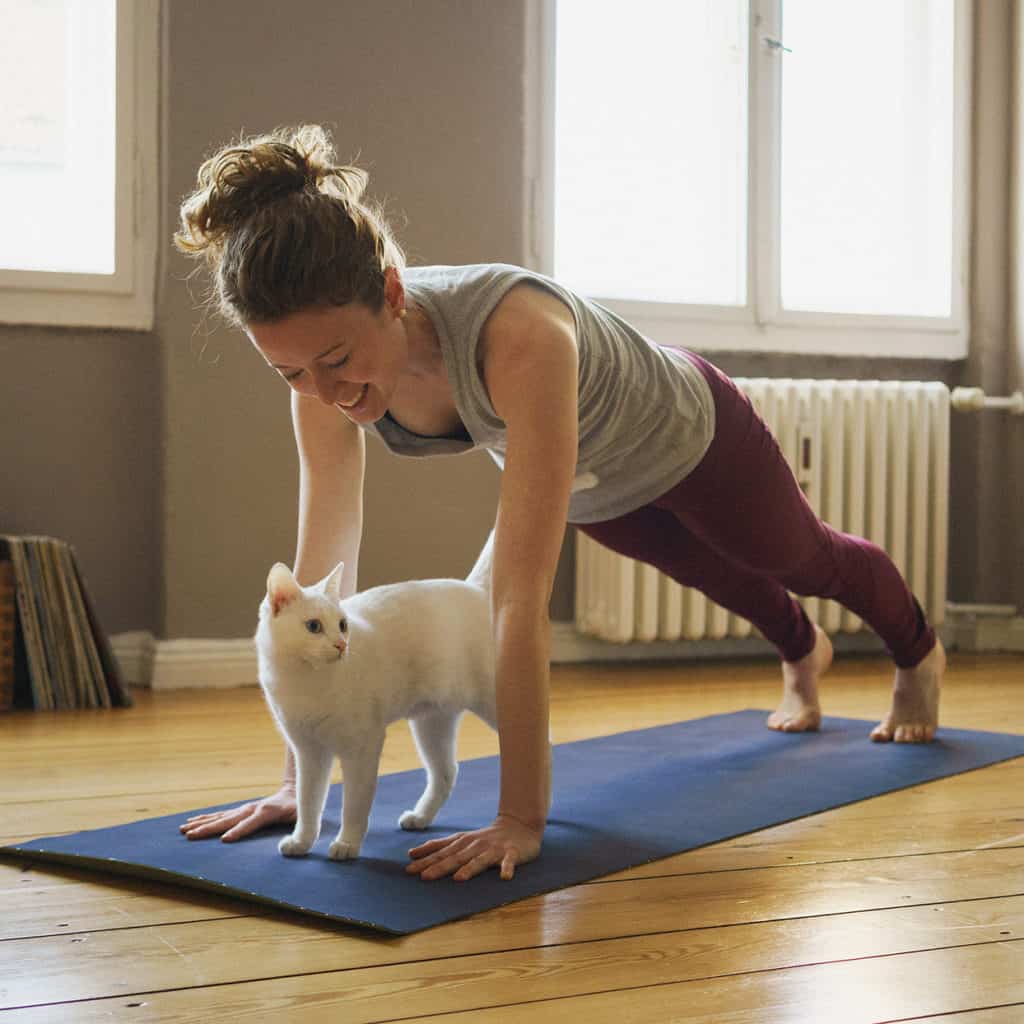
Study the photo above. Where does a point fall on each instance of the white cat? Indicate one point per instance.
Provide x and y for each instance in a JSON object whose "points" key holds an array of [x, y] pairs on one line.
{"points": [[336, 673]]}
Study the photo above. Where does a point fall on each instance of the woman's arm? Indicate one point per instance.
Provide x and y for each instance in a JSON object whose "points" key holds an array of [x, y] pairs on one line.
{"points": [[332, 465], [332, 459], [332, 468], [531, 373]]}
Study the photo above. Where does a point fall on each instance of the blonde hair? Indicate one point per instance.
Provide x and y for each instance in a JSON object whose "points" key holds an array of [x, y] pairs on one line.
{"points": [[283, 228]]}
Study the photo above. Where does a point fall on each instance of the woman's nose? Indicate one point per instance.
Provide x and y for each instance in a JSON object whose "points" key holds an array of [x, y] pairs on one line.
{"points": [[324, 384]]}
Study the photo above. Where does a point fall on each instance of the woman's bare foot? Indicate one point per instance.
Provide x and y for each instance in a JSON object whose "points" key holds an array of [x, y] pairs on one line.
{"points": [[799, 710], [915, 701]]}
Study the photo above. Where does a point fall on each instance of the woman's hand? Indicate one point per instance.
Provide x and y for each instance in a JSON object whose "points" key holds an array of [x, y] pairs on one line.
{"points": [[505, 844], [238, 822]]}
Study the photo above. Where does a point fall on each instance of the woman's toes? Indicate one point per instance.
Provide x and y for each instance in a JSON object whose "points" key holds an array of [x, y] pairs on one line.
{"points": [[881, 733]]}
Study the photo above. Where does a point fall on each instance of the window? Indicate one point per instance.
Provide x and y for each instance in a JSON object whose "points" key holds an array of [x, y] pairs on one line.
{"points": [[772, 175], [78, 162]]}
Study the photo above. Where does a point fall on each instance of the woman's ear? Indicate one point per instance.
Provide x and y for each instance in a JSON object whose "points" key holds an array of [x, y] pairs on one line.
{"points": [[394, 291]]}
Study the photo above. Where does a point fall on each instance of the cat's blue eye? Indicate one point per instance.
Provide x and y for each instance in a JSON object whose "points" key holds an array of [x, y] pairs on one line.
{"points": [[315, 626], [343, 625]]}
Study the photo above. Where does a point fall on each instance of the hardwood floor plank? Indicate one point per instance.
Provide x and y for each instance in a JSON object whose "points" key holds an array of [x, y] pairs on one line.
{"points": [[478, 981], [58, 817], [267, 947], [138, 765], [1013, 1014], [919, 869], [876, 991], [52, 904]]}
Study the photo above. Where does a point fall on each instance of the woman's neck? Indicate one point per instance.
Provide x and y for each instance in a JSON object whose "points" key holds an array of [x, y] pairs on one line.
{"points": [[425, 356]]}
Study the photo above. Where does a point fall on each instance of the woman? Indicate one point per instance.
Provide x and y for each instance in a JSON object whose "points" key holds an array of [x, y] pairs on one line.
{"points": [[650, 450]]}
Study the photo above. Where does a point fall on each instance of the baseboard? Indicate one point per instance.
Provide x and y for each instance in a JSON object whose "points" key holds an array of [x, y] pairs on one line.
{"points": [[185, 664], [134, 655], [210, 664], [206, 664], [986, 633]]}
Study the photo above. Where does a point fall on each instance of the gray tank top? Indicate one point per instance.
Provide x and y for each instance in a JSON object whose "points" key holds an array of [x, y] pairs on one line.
{"points": [[646, 412]]}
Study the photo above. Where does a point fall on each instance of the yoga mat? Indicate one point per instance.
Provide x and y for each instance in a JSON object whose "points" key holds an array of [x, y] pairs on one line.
{"points": [[620, 801]]}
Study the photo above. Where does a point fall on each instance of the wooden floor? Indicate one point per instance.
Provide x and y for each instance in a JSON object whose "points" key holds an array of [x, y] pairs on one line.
{"points": [[909, 906]]}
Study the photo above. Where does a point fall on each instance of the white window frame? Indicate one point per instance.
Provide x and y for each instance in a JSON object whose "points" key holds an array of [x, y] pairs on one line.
{"points": [[126, 298], [762, 325]]}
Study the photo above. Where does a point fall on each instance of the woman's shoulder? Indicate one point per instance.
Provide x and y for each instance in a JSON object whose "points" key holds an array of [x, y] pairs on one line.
{"points": [[451, 276], [489, 283], [529, 302]]}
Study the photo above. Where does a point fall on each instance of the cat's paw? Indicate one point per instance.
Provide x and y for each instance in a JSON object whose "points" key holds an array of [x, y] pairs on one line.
{"points": [[293, 846], [413, 822], [340, 850]]}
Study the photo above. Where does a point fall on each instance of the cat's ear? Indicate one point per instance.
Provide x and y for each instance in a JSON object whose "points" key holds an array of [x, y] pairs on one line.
{"points": [[281, 587], [332, 585]]}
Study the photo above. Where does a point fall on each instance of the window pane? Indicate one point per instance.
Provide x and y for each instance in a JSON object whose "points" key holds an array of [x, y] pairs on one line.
{"points": [[651, 149], [57, 79], [867, 157]]}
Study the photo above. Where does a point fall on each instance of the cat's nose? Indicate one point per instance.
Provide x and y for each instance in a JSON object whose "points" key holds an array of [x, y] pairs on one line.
{"points": [[341, 646]]}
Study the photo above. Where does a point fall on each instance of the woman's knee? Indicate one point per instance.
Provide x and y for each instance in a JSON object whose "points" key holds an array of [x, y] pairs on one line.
{"points": [[842, 560]]}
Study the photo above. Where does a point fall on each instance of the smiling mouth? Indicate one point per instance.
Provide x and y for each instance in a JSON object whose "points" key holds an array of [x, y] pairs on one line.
{"points": [[356, 400]]}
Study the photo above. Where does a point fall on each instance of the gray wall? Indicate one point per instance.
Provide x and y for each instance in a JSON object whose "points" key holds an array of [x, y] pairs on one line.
{"points": [[1013, 518], [167, 458], [80, 458]]}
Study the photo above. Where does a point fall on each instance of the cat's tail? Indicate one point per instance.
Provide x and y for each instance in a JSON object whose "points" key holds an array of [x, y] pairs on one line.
{"points": [[480, 574]]}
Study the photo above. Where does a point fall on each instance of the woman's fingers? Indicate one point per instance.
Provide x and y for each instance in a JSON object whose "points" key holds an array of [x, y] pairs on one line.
{"points": [[238, 822], [429, 847], [445, 866], [464, 861], [435, 853], [505, 845], [482, 861], [508, 865], [199, 819], [256, 820], [204, 825]]}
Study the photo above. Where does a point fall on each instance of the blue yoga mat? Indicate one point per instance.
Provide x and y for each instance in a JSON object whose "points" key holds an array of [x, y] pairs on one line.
{"points": [[620, 801]]}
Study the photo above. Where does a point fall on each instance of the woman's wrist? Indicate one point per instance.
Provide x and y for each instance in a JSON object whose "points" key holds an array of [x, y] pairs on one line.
{"points": [[532, 822]]}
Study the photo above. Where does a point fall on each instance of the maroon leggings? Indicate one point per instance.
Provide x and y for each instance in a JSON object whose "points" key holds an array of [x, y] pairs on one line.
{"points": [[739, 529]]}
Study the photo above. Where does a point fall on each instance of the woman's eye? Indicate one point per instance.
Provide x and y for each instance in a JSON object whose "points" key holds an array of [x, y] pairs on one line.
{"points": [[339, 363], [315, 626]]}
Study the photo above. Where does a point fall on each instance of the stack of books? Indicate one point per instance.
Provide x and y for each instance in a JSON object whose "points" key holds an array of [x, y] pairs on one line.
{"points": [[53, 654]]}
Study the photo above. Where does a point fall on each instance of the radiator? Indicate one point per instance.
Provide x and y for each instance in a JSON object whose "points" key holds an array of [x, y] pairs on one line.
{"points": [[872, 458]]}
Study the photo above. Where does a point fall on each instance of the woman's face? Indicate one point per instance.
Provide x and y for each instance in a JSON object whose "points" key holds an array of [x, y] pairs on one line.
{"points": [[347, 356]]}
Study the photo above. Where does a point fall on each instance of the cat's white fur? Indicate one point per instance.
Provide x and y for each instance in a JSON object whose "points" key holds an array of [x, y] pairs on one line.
{"points": [[420, 650]]}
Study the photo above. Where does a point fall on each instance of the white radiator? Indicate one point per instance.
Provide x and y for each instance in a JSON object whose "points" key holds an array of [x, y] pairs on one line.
{"points": [[872, 458]]}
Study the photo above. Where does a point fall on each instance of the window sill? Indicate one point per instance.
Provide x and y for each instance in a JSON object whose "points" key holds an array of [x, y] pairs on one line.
{"points": [[58, 306], [732, 330]]}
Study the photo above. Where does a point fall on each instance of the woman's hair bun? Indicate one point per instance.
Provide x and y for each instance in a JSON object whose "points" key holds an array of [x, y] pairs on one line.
{"points": [[246, 176], [282, 227]]}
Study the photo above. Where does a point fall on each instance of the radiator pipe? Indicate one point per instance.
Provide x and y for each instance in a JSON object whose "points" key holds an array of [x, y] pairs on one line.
{"points": [[974, 400]]}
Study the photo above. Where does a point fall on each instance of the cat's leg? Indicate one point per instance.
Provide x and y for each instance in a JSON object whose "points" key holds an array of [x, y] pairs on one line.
{"points": [[313, 776], [359, 771], [434, 733]]}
